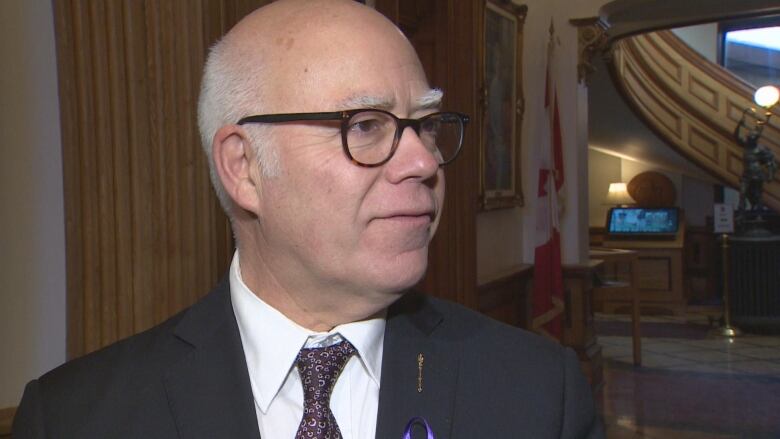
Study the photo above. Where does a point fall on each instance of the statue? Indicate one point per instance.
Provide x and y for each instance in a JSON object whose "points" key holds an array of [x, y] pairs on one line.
{"points": [[758, 163]]}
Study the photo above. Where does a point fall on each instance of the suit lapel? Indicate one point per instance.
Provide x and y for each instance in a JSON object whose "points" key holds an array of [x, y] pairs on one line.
{"points": [[208, 389], [411, 330]]}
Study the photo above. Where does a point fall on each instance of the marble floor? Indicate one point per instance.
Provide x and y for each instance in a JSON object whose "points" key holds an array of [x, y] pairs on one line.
{"points": [[691, 385]]}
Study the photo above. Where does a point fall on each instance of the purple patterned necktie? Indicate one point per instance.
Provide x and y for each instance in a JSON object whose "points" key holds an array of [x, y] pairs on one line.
{"points": [[319, 369]]}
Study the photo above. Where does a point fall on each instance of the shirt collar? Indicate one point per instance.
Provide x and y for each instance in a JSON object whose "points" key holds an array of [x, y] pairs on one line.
{"points": [[271, 341]]}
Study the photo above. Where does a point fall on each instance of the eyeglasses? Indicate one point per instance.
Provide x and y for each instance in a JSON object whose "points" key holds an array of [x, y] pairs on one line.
{"points": [[370, 137]]}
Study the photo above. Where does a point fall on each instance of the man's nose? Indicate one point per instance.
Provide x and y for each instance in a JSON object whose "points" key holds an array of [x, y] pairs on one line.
{"points": [[412, 158]]}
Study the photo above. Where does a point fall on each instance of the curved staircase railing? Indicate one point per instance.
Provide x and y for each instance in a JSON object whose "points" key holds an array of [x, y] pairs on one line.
{"points": [[691, 103]]}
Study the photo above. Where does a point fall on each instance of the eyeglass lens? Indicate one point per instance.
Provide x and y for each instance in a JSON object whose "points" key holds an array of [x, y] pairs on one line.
{"points": [[370, 136]]}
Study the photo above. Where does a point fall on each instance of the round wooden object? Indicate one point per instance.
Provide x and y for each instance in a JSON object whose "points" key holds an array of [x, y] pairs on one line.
{"points": [[652, 189]]}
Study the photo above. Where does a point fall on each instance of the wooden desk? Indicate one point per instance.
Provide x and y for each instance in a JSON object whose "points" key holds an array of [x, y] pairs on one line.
{"points": [[659, 271], [579, 332], [622, 290]]}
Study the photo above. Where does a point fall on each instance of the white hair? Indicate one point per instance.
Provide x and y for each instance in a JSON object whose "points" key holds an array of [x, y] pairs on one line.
{"points": [[431, 99], [231, 88]]}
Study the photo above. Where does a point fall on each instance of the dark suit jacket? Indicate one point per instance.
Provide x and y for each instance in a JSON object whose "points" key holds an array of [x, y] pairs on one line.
{"points": [[187, 378]]}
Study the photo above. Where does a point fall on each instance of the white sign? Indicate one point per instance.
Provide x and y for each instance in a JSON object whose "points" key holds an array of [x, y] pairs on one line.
{"points": [[723, 218]]}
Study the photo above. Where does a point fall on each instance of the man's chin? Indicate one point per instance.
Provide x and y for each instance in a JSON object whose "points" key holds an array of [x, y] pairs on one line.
{"points": [[402, 282], [394, 275]]}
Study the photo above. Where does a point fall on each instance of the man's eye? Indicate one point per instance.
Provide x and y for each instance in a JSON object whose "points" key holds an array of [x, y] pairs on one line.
{"points": [[365, 126], [430, 126]]}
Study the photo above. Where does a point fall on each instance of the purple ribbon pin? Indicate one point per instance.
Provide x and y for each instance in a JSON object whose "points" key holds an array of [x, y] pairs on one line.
{"points": [[421, 421]]}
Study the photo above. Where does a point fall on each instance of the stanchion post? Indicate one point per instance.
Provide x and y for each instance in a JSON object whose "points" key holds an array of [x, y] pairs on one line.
{"points": [[726, 330]]}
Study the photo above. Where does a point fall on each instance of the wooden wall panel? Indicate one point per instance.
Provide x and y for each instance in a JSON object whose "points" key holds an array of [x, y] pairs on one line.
{"points": [[6, 419], [667, 66], [145, 236], [508, 298], [669, 121], [444, 34], [704, 144], [706, 94]]}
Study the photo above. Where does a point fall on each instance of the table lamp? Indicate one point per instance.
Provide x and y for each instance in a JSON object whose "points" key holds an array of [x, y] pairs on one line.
{"points": [[618, 195]]}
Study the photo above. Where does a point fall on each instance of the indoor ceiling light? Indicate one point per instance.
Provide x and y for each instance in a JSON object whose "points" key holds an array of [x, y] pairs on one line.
{"points": [[767, 96]]}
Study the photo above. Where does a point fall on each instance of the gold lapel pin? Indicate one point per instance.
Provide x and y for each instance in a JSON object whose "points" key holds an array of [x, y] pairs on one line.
{"points": [[420, 361]]}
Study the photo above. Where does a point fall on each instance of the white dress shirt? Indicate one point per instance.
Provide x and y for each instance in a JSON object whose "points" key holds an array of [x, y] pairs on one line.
{"points": [[271, 344]]}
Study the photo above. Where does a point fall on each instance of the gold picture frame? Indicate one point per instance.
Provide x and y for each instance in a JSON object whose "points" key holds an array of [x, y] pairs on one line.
{"points": [[503, 104]]}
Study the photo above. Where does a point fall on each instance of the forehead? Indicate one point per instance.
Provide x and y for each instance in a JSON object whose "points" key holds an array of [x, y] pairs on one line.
{"points": [[322, 70]]}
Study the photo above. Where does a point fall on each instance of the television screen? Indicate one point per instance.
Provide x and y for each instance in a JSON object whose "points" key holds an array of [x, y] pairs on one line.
{"points": [[638, 220]]}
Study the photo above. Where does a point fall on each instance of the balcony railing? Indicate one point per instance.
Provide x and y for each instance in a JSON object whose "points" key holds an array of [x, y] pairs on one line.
{"points": [[691, 103]]}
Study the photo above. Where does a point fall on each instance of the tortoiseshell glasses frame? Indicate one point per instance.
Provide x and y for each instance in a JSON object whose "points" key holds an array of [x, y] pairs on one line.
{"points": [[370, 137]]}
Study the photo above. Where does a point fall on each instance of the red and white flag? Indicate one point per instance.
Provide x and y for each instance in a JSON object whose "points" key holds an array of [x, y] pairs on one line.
{"points": [[548, 302]]}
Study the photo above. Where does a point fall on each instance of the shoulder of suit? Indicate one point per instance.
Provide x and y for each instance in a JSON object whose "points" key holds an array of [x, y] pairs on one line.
{"points": [[135, 358], [135, 354], [482, 333]]}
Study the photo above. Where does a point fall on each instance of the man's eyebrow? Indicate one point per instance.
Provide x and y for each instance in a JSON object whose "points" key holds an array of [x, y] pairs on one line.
{"points": [[363, 101], [431, 100]]}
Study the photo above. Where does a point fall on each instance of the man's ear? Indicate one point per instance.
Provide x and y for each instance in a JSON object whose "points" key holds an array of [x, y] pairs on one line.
{"points": [[235, 163]]}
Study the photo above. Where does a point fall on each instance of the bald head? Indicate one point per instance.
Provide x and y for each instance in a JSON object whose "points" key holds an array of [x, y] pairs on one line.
{"points": [[301, 40], [280, 58]]}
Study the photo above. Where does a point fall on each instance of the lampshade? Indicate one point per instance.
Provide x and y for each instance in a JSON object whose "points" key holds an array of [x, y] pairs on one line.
{"points": [[618, 194], [767, 96]]}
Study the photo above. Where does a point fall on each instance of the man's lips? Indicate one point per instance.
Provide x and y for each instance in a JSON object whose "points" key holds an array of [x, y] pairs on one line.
{"points": [[411, 215]]}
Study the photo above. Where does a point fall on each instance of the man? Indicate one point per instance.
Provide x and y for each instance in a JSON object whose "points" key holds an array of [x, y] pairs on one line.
{"points": [[333, 200]]}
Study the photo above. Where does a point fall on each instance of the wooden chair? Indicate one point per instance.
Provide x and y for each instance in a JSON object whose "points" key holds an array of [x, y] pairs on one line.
{"points": [[616, 292]]}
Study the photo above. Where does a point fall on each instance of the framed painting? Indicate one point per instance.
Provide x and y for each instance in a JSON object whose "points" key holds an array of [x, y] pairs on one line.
{"points": [[503, 104]]}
